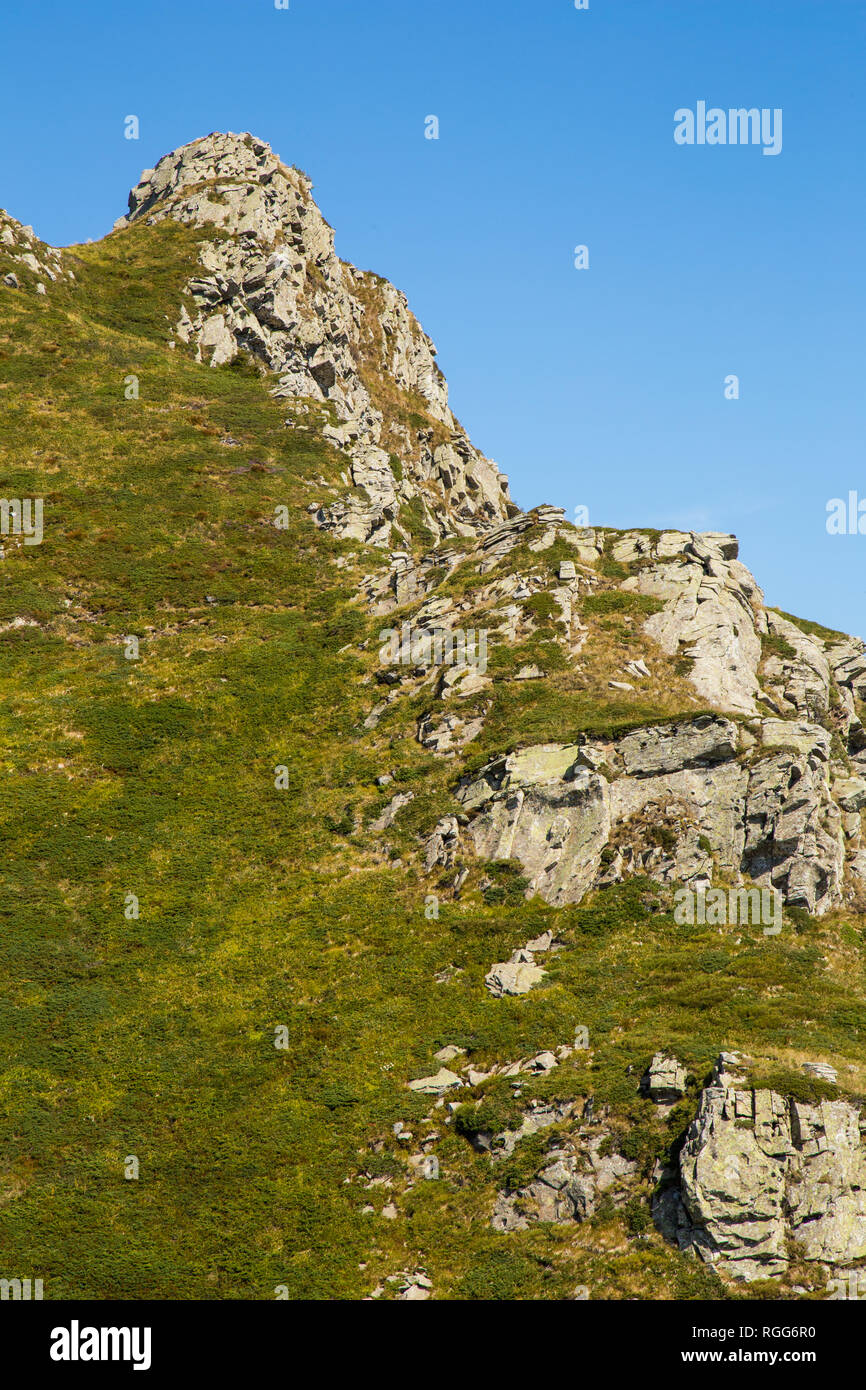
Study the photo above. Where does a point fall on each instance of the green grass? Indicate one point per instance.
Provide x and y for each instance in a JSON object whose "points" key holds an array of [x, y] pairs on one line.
{"points": [[826, 634], [262, 909], [774, 645], [621, 601]]}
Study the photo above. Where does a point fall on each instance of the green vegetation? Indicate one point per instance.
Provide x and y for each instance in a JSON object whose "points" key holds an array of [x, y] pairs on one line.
{"points": [[826, 634], [785, 1081], [249, 1034], [620, 601], [774, 645]]}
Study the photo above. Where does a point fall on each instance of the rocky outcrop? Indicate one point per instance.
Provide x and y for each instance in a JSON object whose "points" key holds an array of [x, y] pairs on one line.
{"points": [[444, 1080], [26, 263], [712, 610], [578, 1170], [744, 658], [521, 972], [773, 795], [762, 1176], [677, 801], [271, 284], [665, 1080]]}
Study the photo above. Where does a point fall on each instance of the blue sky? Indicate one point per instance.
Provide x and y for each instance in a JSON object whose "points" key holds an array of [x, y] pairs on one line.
{"points": [[601, 387]]}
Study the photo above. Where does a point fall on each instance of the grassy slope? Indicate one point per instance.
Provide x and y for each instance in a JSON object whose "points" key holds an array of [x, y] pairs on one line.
{"points": [[155, 1037]]}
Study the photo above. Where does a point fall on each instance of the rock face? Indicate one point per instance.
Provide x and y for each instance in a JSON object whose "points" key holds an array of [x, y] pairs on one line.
{"points": [[673, 801], [758, 1171], [271, 284], [768, 790], [711, 602], [713, 614]]}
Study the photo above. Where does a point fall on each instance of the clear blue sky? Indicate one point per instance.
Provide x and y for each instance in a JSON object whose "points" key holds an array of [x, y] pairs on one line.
{"points": [[601, 387]]}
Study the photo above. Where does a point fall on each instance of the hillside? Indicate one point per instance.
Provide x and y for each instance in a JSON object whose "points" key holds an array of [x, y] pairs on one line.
{"points": [[374, 960]]}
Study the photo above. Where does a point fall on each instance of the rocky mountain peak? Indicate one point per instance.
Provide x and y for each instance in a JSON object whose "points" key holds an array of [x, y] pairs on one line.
{"points": [[218, 164], [272, 285]]}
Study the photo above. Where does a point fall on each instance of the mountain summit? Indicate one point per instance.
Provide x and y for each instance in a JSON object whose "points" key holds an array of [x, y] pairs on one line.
{"points": [[271, 283]]}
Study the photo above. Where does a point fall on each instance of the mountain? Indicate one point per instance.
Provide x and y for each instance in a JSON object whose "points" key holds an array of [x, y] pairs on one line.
{"points": [[406, 895]]}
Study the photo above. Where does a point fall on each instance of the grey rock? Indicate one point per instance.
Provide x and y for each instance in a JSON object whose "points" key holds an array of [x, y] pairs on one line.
{"points": [[513, 977], [389, 815], [556, 808], [540, 943], [437, 1085], [665, 1079], [822, 1070], [567, 1187], [758, 1171], [283, 295], [447, 733], [672, 747], [442, 845]]}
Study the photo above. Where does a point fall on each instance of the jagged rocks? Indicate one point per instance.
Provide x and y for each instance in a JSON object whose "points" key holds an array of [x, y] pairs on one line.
{"points": [[442, 845], [577, 1171], [539, 1115], [545, 810], [391, 811], [672, 747], [446, 733], [799, 682], [412, 1288], [712, 609], [519, 974], [23, 248], [538, 1065], [822, 1070], [437, 1085], [272, 285], [850, 793], [758, 1171]]}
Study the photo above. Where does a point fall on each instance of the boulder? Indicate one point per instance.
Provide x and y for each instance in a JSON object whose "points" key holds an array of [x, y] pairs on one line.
{"points": [[437, 1085], [672, 747], [389, 815], [665, 1079], [513, 977]]}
